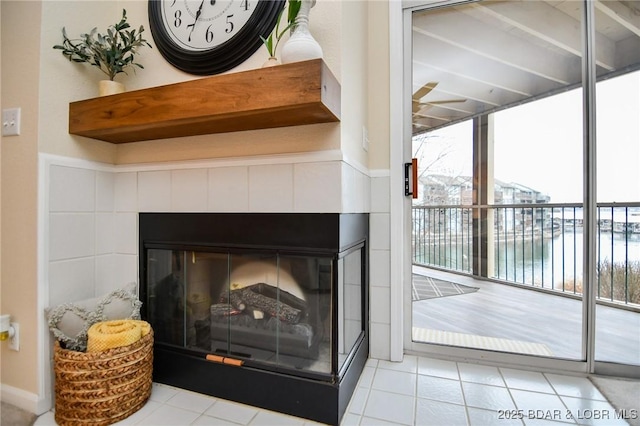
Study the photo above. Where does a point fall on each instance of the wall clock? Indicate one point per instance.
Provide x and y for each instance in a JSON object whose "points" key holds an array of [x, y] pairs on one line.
{"points": [[206, 37]]}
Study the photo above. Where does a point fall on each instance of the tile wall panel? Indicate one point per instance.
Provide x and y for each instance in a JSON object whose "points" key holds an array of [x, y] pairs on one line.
{"points": [[356, 190], [107, 274], [126, 191], [71, 280], [317, 187], [189, 190], [105, 235], [380, 231], [379, 304], [71, 235], [127, 265], [126, 233], [271, 188], [380, 274], [154, 191], [105, 191], [379, 270], [228, 189], [93, 247], [71, 189], [379, 346], [380, 195]]}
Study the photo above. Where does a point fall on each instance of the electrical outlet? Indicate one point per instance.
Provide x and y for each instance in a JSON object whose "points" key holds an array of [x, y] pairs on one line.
{"points": [[14, 341], [11, 122]]}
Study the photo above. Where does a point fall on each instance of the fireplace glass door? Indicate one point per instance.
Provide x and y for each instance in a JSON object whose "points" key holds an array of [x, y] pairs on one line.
{"points": [[268, 308]]}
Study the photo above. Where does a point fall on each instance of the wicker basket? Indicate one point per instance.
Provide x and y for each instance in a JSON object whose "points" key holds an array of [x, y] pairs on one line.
{"points": [[101, 388]]}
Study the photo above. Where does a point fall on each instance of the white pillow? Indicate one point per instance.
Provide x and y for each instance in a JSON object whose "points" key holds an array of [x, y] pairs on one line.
{"points": [[70, 322]]}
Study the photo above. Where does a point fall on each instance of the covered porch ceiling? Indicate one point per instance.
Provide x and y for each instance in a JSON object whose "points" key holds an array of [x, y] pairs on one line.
{"points": [[487, 55]]}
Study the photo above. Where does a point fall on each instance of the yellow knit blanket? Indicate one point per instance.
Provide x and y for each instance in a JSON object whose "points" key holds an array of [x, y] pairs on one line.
{"points": [[116, 333]]}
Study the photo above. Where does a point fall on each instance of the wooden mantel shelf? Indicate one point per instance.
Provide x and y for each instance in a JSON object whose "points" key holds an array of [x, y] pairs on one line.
{"points": [[279, 96]]}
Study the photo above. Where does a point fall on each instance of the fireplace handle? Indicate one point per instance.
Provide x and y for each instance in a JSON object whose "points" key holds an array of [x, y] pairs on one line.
{"points": [[225, 360]]}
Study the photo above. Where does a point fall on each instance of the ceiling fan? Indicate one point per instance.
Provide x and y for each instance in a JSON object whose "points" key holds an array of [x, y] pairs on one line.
{"points": [[419, 107]]}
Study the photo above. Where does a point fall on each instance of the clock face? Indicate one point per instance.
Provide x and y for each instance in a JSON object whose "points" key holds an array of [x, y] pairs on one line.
{"points": [[206, 37]]}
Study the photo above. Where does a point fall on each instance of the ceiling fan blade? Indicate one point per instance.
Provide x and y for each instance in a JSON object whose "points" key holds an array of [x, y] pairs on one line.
{"points": [[444, 101], [420, 109], [416, 106], [424, 90]]}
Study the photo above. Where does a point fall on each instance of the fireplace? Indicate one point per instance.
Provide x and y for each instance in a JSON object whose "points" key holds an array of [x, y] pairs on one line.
{"points": [[267, 309]]}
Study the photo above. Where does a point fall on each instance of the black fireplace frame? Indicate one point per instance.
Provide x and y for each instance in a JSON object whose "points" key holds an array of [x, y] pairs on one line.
{"points": [[303, 395]]}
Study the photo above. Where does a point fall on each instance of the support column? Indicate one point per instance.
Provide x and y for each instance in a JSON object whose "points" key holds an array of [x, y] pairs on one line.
{"points": [[483, 196]]}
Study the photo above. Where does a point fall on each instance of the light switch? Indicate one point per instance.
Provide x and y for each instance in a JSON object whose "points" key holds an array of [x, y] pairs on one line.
{"points": [[11, 122]]}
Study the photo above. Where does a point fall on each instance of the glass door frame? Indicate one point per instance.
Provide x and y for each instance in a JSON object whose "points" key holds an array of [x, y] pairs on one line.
{"points": [[400, 37]]}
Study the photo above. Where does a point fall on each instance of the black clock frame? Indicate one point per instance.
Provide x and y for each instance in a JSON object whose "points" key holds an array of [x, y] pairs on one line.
{"points": [[221, 58]]}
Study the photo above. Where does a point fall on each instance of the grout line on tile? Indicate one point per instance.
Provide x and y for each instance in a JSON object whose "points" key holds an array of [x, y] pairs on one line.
{"points": [[368, 392]]}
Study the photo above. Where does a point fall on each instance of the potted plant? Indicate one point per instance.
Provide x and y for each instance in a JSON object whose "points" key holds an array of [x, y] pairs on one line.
{"points": [[277, 34], [112, 52]]}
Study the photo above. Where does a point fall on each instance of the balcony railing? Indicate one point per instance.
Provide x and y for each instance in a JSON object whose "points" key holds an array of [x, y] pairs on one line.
{"points": [[535, 245]]}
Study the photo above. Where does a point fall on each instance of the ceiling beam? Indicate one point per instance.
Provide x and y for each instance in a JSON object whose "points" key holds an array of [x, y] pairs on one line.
{"points": [[622, 14], [478, 77], [423, 111], [456, 86], [544, 22], [492, 43]]}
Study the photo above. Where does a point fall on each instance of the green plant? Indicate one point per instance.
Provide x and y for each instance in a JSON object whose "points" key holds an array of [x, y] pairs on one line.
{"points": [[292, 12], [111, 52]]}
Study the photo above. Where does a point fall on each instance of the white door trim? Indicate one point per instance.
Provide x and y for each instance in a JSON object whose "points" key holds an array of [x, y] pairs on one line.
{"points": [[399, 263]]}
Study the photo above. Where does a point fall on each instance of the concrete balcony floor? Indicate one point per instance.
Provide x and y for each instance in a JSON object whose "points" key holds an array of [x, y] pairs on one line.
{"points": [[499, 314]]}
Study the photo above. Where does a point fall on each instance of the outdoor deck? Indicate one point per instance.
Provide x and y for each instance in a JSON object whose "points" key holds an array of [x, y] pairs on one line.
{"points": [[504, 313]]}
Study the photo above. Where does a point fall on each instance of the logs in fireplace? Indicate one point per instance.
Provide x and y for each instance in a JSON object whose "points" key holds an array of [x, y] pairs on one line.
{"points": [[267, 309]]}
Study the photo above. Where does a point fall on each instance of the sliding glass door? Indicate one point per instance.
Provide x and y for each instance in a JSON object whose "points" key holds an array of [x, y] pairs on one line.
{"points": [[617, 106], [507, 245]]}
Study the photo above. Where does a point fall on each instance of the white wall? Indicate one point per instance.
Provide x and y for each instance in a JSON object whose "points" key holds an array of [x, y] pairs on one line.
{"points": [[19, 181]]}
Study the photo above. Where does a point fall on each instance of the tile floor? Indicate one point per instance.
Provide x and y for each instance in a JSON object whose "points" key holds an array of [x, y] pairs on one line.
{"points": [[418, 391]]}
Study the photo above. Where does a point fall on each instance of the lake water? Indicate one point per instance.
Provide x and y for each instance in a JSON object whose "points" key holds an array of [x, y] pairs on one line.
{"points": [[551, 263], [559, 260]]}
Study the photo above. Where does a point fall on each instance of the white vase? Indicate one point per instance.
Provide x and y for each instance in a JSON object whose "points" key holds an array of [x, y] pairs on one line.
{"points": [[301, 46], [109, 87]]}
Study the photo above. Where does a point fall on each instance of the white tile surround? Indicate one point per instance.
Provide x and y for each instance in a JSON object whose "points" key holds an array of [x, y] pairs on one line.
{"points": [[89, 240]]}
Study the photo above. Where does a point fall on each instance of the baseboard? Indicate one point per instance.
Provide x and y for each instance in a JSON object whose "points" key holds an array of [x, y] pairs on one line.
{"points": [[25, 400]]}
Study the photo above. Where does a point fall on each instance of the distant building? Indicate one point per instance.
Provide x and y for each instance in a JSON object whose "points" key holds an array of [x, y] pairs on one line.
{"points": [[514, 193], [443, 190], [458, 190]]}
